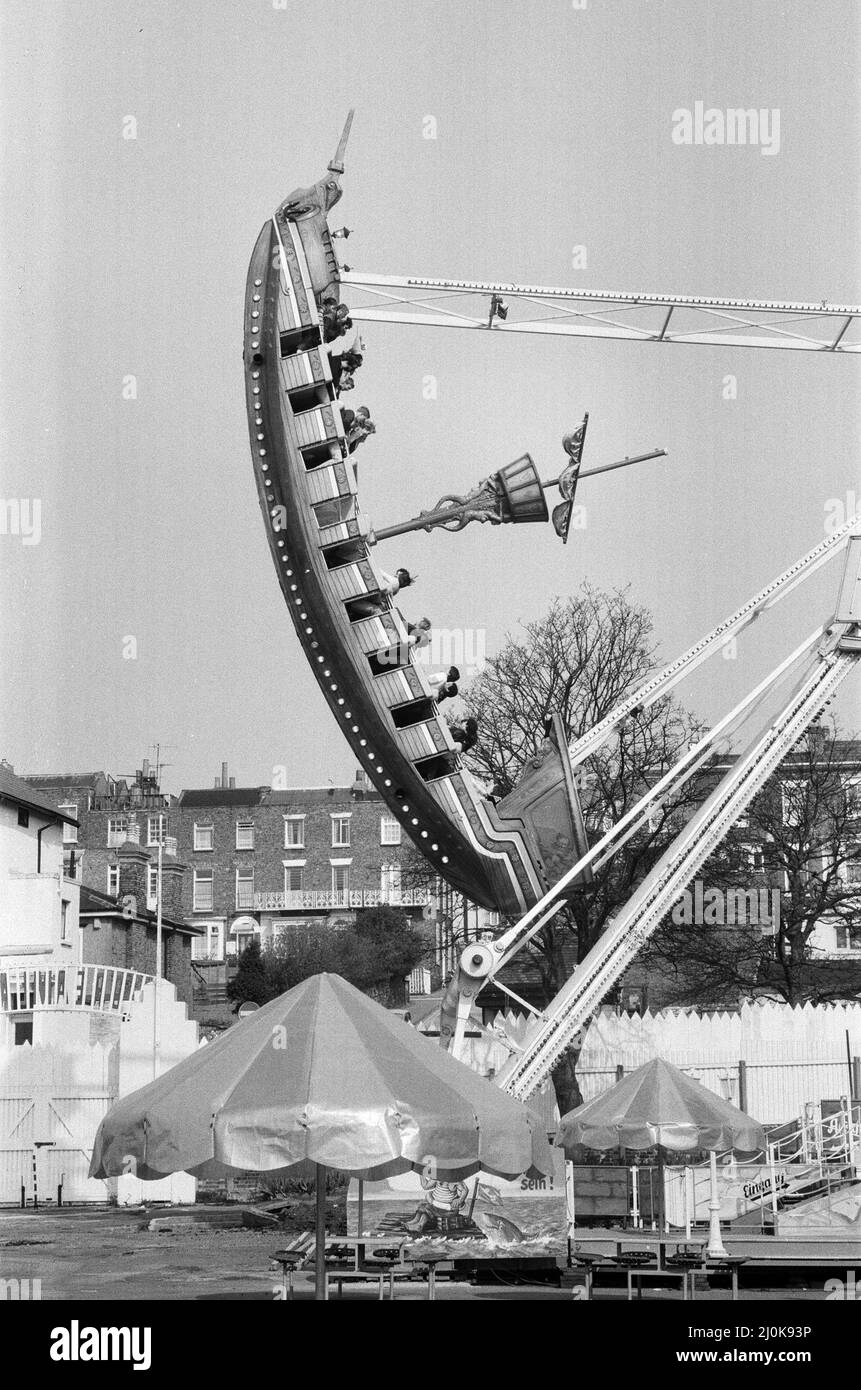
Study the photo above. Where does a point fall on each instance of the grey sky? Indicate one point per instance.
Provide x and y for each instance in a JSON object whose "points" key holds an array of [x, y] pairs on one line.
{"points": [[128, 257]]}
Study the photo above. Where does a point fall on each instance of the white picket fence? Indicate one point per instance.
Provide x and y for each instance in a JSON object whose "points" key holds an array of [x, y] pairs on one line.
{"points": [[788, 1056]]}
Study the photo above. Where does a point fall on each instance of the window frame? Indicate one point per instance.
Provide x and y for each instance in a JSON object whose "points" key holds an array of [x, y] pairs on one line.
{"points": [[246, 873], [244, 825], [111, 833], [292, 820], [212, 932], [340, 819], [199, 878], [161, 820], [392, 824], [70, 832], [201, 827], [296, 866], [341, 866], [390, 881]]}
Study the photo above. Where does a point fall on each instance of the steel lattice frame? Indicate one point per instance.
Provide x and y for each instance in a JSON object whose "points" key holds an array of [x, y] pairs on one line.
{"points": [[647, 318]]}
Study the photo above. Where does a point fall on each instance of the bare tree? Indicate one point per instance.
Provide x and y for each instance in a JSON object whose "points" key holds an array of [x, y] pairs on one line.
{"points": [[799, 848], [581, 659]]}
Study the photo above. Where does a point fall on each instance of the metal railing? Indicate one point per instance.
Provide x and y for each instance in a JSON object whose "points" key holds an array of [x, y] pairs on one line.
{"points": [[99, 988], [396, 897]]}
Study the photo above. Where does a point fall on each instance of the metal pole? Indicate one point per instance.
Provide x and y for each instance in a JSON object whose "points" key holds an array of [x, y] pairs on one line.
{"points": [[715, 1249], [635, 1197], [742, 1085], [772, 1181], [155, 989], [609, 467], [321, 1292], [570, 1206], [360, 1215]]}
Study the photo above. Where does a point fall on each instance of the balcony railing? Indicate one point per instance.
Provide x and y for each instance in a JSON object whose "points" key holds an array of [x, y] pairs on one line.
{"points": [[314, 899], [100, 988]]}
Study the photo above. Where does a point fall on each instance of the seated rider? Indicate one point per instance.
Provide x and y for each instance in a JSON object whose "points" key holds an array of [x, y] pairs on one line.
{"points": [[418, 634], [465, 736], [393, 583], [359, 427], [343, 367], [336, 319]]}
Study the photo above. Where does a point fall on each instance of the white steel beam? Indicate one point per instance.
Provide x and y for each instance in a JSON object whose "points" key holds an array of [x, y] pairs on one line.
{"points": [[631, 317]]}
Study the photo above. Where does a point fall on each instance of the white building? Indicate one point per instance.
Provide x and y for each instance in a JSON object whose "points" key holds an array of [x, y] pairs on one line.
{"points": [[73, 1036]]}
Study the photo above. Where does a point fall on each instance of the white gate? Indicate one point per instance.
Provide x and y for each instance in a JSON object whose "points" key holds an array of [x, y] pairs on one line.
{"points": [[50, 1107]]}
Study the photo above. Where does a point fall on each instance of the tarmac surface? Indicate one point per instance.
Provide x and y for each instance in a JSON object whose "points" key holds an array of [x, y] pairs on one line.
{"points": [[108, 1255]]}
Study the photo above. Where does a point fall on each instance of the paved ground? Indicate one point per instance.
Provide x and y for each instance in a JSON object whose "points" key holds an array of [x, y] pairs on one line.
{"points": [[106, 1255]]}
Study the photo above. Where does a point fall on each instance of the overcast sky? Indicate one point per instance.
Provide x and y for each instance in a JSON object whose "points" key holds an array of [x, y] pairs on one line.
{"points": [[127, 258]]}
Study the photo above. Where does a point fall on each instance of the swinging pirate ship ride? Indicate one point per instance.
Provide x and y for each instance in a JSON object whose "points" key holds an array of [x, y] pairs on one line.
{"points": [[503, 854]]}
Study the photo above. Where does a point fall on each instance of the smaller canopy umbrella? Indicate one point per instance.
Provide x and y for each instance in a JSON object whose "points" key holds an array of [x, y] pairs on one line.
{"points": [[658, 1106], [321, 1073]]}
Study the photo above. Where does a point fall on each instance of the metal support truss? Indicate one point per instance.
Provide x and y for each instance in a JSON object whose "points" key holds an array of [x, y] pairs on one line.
{"points": [[632, 317]]}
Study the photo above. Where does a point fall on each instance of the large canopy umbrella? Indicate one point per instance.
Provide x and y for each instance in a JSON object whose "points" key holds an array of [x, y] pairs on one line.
{"points": [[658, 1106], [323, 1073]]}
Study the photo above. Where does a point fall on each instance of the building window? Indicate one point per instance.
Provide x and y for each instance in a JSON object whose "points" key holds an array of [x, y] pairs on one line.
{"points": [[390, 881], [152, 887], [244, 834], [793, 803], [113, 880], [209, 946], [23, 818], [156, 830], [390, 831], [341, 831], [244, 888], [203, 836], [118, 830], [294, 878], [64, 920], [340, 878], [70, 832], [202, 901], [851, 871], [294, 832], [23, 1031], [848, 938]]}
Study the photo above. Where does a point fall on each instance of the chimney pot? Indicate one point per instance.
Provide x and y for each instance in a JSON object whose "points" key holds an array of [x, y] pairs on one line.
{"points": [[224, 774], [232, 783]]}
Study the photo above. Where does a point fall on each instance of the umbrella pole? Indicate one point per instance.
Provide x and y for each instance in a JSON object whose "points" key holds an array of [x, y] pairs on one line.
{"points": [[662, 1194], [715, 1249], [321, 1291]]}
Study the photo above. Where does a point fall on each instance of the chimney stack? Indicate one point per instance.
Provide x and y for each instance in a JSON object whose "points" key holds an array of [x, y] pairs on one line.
{"points": [[232, 783], [145, 769], [224, 775]]}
